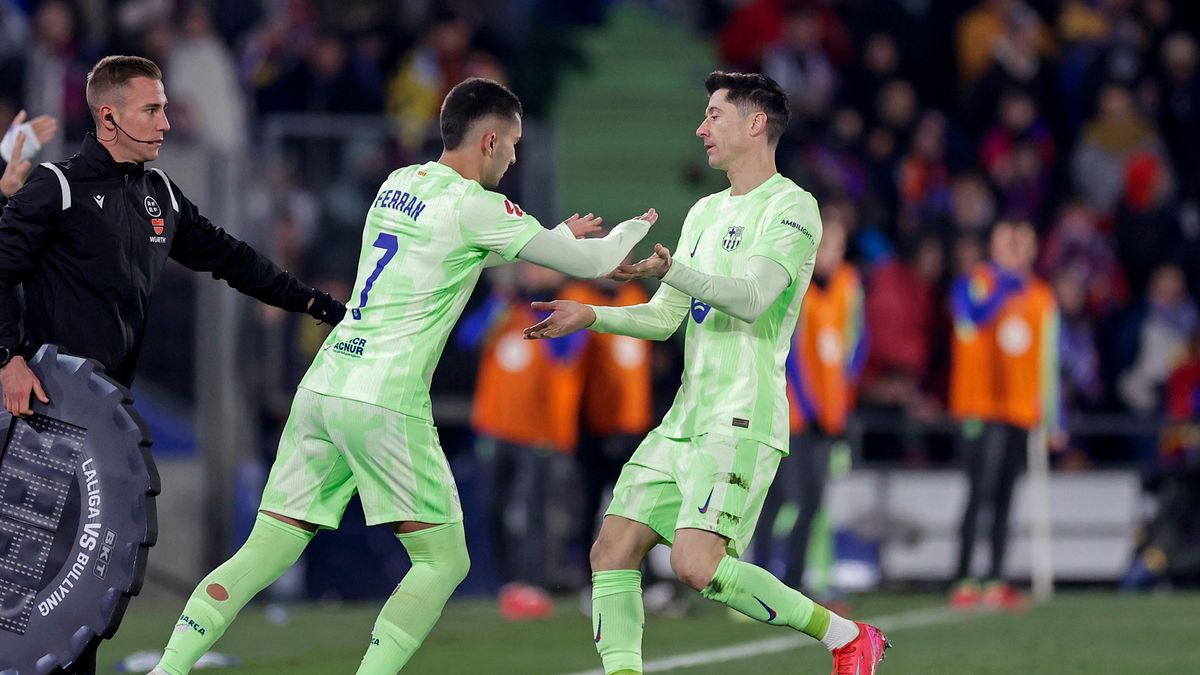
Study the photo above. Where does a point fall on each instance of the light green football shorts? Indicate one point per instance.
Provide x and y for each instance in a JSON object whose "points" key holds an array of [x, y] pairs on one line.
{"points": [[333, 447], [711, 482]]}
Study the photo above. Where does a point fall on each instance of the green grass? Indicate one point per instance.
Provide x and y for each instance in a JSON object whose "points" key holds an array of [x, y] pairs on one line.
{"points": [[1093, 633]]}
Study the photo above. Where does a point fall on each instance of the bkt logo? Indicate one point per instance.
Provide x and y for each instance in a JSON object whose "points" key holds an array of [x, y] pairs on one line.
{"points": [[700, 310]]}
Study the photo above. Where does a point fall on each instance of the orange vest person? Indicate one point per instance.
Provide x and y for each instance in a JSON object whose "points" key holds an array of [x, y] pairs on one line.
{"points": [[829, 349]]}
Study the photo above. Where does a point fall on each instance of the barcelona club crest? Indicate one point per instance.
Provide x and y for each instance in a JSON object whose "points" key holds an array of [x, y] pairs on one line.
{"points": [[733, 238]]}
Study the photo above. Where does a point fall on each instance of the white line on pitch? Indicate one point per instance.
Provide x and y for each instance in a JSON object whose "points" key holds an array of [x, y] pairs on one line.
{"points": [[899, 621]]}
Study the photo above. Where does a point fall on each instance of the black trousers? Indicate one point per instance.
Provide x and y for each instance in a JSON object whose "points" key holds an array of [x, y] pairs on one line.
{"points": [[993, 459], [800, 480]]}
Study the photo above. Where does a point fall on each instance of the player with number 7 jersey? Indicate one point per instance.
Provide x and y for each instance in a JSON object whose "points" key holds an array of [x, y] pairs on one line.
{"points": [[361, 421]]}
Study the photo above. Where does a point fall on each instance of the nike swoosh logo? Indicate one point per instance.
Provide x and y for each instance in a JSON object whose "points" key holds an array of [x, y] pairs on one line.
{"points": [[704, 509], [696, 246], [770, 612], [599, 625]]}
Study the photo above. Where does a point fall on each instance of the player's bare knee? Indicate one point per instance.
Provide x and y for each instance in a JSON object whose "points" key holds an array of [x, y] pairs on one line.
{"points": [[689, 570], [694, 565], [614, 553], [602, 558]]}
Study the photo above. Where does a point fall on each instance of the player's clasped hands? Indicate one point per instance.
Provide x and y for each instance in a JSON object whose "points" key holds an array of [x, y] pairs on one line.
{"points": [[655, 266], [567, 316]]}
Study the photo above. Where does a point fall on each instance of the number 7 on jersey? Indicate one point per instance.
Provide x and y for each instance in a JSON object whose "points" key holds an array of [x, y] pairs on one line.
{"points": [[390, 245]]}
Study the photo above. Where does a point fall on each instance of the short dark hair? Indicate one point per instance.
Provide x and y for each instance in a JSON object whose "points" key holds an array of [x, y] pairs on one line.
{"points": [[752, 92], [473, 99], [112, 73]]}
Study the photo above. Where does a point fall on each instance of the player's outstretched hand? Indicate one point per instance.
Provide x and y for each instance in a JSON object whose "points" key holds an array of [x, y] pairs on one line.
{"points": [[655, 266], [16, 170], [650, 216], [18, 382], [566, 317], [44, 128], [582, 226]]}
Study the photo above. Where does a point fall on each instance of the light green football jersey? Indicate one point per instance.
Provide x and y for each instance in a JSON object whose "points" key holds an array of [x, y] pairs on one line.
{"points": [[424, 243], [733, 376]]}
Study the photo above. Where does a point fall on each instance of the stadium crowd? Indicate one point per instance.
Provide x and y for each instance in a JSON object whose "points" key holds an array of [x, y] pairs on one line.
{"points": [[1078, 116]]}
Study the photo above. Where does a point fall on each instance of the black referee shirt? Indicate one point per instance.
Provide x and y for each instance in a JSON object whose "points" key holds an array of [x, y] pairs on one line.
{"points": [[87, 238]]}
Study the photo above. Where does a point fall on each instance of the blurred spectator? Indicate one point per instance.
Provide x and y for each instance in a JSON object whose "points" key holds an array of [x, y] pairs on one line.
{"points": [[756, 24], [1075, 241], [902, 315], [966, 255], [1018, 155], [896, 107], [972, 206], [1116, 132], [1179, 111], [1168, 545], [879, 64], [923, 180], [828, 351], [830, 164], [14, 29], [442, 59], [1158, 333], [1183, 394], [323, 81], [48, 78], [1147, 219], [984, 34], [1082, 384], [274, 49], [799, 64], [1017, 63], [203, 77]]}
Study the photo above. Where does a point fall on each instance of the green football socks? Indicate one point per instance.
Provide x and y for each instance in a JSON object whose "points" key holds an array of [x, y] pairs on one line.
{"points": [[756, 593], [618, 619], [439, 564], [273, 547]]}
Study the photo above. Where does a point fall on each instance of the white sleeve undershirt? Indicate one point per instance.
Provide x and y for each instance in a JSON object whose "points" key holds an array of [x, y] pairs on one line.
{"points": [[745, 297], [584, 258]]}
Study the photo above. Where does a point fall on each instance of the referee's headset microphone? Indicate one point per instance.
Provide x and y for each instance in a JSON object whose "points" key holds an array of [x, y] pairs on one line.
{"points": [[109, 117]]}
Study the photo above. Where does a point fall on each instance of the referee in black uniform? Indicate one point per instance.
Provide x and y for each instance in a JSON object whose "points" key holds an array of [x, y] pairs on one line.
{"points": [[87, 238]]}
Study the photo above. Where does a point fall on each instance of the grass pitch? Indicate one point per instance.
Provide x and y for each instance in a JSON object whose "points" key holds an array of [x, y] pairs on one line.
{"points": [[1093, 633]]}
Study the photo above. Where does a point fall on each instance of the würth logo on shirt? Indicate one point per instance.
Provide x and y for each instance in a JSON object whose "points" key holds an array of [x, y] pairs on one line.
{"points": [[513, 209], [159, 226]]}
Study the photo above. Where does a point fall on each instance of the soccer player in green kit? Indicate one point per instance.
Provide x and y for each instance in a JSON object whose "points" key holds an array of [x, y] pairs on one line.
{"points": [[361, 419], [698, 481]]}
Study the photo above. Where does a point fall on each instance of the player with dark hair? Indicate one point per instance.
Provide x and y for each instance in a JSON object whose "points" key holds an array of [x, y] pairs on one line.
{"points": [[361, 419], [698, 481]]}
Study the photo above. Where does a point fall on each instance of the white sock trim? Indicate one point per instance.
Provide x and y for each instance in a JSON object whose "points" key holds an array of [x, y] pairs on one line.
{"points": [[841, 632]]}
